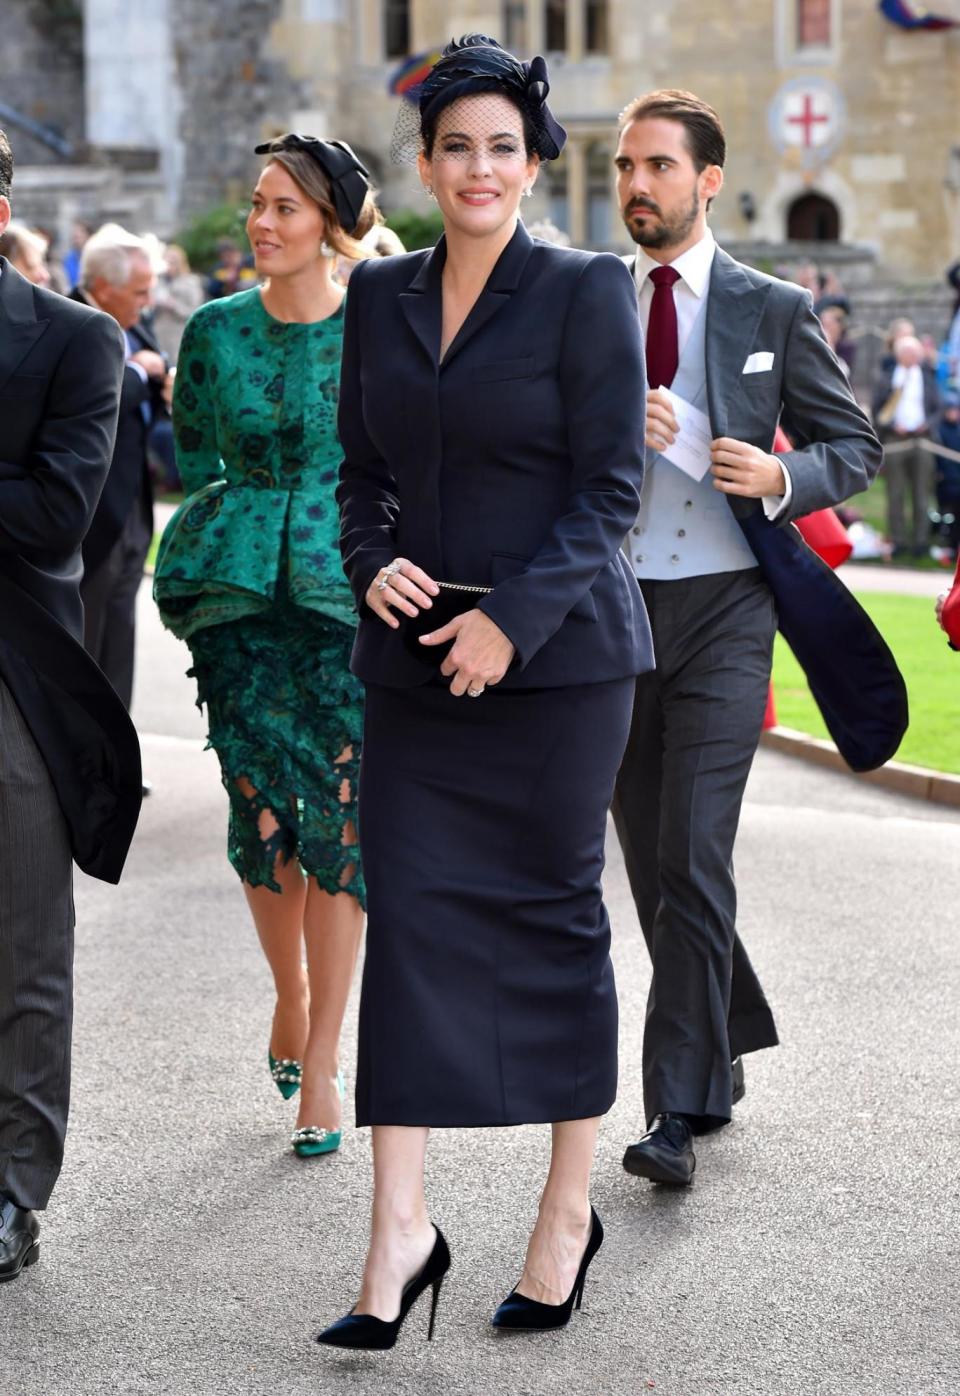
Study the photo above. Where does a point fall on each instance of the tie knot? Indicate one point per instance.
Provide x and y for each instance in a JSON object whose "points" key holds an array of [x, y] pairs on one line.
{"points": [[664, 276]]}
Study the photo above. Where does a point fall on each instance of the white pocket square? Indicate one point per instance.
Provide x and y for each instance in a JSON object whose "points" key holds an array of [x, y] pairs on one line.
{"points": [[759, 363]]}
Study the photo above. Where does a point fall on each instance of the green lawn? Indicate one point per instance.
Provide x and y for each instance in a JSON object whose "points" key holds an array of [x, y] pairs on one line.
{"points": [[930, 668]]}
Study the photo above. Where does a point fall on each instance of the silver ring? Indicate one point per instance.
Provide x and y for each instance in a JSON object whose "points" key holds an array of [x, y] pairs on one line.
{"points": [[383, 581], [474, 692]]}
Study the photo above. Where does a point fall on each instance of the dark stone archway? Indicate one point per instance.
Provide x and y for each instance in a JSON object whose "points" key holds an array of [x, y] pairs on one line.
{"points": [[813, 218]]}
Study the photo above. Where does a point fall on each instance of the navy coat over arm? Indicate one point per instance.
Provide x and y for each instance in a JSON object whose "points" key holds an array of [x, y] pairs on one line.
{"points": [[516, 463], [852, 674], [60, 373]]}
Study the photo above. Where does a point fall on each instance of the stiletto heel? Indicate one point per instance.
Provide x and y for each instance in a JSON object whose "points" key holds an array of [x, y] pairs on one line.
{"points": [[437, 1284], [366, 1331], [524, 1315]]}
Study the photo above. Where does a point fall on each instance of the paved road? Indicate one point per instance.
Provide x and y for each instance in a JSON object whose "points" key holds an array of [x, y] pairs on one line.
{"points": [[187, 1253]]}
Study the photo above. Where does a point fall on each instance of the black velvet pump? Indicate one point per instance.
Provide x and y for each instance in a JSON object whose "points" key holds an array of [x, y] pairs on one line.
{"points": [[365, 1331], [525, 1315]]}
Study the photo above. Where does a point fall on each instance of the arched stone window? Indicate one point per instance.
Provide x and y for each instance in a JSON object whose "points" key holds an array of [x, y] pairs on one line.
{"points": [[813, 23], [396, 28], [813, 218], [599, 195], [596, 26], [558, 192]]}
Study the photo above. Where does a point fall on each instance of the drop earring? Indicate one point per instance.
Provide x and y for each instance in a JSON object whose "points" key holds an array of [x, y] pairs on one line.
{"points": [[528, 193], [428, 190], [326, 250]]}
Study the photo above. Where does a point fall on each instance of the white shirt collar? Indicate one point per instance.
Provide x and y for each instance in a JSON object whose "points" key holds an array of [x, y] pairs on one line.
{"points": [[694, 265]]}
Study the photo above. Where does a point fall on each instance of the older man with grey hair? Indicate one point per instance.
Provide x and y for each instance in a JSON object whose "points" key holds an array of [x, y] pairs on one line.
{"points": [[906, 403], [117, 276]]}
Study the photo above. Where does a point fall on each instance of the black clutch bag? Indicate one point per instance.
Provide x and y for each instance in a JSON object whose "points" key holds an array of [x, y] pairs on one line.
{"points": [[454, 599]]}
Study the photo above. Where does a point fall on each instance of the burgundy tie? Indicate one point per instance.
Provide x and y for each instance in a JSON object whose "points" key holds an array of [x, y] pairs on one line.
{"points": [[662, 351]]}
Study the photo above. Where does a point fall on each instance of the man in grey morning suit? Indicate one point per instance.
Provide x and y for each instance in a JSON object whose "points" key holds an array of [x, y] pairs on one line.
{"points": [[69, 760], [741, 347]]}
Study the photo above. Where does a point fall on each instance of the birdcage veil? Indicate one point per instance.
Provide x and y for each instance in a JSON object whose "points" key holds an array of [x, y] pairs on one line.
{"points": [[476, 66]]}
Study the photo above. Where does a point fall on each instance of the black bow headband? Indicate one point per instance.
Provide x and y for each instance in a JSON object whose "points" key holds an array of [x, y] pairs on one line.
{"points": [[349, 179], [528, 82]]}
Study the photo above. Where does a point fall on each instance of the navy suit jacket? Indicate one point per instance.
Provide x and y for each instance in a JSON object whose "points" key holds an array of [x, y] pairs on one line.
{"points": [[128, 484], [516, 463]]}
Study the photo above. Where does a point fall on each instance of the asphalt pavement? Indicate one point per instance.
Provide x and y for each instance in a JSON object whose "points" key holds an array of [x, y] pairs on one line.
{"points": [[188, 1252]]}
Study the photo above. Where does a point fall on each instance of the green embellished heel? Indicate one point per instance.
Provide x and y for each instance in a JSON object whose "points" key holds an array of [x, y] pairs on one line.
{"points": [[286, 1074], [310, 1140]]}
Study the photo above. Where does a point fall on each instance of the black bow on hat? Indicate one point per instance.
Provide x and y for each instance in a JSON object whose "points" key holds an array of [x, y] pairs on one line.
{"points": [[349, 179]]}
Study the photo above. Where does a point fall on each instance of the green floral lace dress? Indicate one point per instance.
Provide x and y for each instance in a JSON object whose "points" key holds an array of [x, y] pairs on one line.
{"points": [[249, 574]]}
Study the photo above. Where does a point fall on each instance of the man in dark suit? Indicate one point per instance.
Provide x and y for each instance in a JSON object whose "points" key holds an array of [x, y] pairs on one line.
{"points": [[116, 276], [737, 347], [69, 760]]}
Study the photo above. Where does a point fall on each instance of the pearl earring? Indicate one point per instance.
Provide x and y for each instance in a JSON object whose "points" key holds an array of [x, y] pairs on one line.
{"points": [[326, 250]]}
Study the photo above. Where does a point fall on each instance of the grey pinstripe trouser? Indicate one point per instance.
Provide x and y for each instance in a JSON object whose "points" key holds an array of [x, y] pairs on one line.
{"points": [[36, 967]]}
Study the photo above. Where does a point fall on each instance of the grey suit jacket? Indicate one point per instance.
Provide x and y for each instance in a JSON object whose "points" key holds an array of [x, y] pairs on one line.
{"points": [[836, 452], [851, 672]]}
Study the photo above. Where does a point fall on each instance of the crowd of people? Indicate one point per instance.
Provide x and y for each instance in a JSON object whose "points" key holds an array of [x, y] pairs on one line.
{"points": [[402, 540]]}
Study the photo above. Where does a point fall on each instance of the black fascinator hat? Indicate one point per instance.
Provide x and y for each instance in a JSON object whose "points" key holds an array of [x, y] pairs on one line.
{"points": [[470, 66], [349, 179]]}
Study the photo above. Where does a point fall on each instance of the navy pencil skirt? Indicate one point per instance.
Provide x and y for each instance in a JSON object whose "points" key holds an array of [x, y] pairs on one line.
{"points": [[488, 995]]}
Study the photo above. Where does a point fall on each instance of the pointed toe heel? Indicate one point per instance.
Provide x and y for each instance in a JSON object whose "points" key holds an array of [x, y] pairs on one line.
{"points": [[519, 1314], [377, 1334], [310, 1140], [286, 1074]]}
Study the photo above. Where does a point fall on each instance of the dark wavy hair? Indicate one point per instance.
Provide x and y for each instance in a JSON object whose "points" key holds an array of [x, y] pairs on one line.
{"points": [[6, 166]]}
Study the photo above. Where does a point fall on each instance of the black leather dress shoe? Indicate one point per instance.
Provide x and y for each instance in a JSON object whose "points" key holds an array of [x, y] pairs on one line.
{"points": [[19, 1239], [665, 1153], [737, 1081]]}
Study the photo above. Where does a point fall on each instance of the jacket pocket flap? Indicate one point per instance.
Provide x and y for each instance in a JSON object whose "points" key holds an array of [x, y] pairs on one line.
{"points": [[503, 369]]}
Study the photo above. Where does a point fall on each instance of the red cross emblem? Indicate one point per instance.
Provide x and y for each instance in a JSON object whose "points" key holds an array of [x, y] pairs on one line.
{"points": [[808, 118]]}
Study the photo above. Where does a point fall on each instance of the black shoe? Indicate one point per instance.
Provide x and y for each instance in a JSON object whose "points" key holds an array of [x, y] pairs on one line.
{"points": [[366, 1331], [19, 1239], [665, 1153], [523, 1314], [737, 1080]]}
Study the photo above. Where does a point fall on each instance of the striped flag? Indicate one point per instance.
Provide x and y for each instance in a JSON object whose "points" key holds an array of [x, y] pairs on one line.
{"points": [[405, 81], [911, 16]]}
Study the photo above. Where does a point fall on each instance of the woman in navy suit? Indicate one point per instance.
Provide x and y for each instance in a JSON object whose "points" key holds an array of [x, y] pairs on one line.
{"points": [[491, 416]]}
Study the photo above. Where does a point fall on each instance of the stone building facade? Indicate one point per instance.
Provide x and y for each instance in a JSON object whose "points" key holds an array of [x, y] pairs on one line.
{"points": [[840, 124], [843, 130]]}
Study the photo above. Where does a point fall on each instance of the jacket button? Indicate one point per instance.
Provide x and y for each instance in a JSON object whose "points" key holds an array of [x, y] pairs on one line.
{"points": [[675, 558], [689, 504], [681, 533], [637, 531]]}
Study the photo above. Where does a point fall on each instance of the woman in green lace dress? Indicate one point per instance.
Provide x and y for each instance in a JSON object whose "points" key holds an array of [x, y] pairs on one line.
{"points": [[249, 575]]}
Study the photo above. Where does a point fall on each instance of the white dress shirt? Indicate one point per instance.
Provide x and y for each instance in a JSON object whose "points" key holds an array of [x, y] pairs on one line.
{"points": [[911, 412], [690, 296]]}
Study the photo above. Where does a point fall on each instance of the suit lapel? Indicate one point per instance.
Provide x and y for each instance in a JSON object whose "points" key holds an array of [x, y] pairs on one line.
{"points": [[500, 286], [733, 314], [421, 302], [19, 326]]}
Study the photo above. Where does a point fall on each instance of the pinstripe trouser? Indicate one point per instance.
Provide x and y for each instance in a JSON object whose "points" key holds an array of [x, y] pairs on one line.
{"points": [[36, 967]]}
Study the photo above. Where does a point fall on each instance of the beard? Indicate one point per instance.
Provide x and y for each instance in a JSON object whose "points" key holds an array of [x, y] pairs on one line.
{"points": [[672, 228]]}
